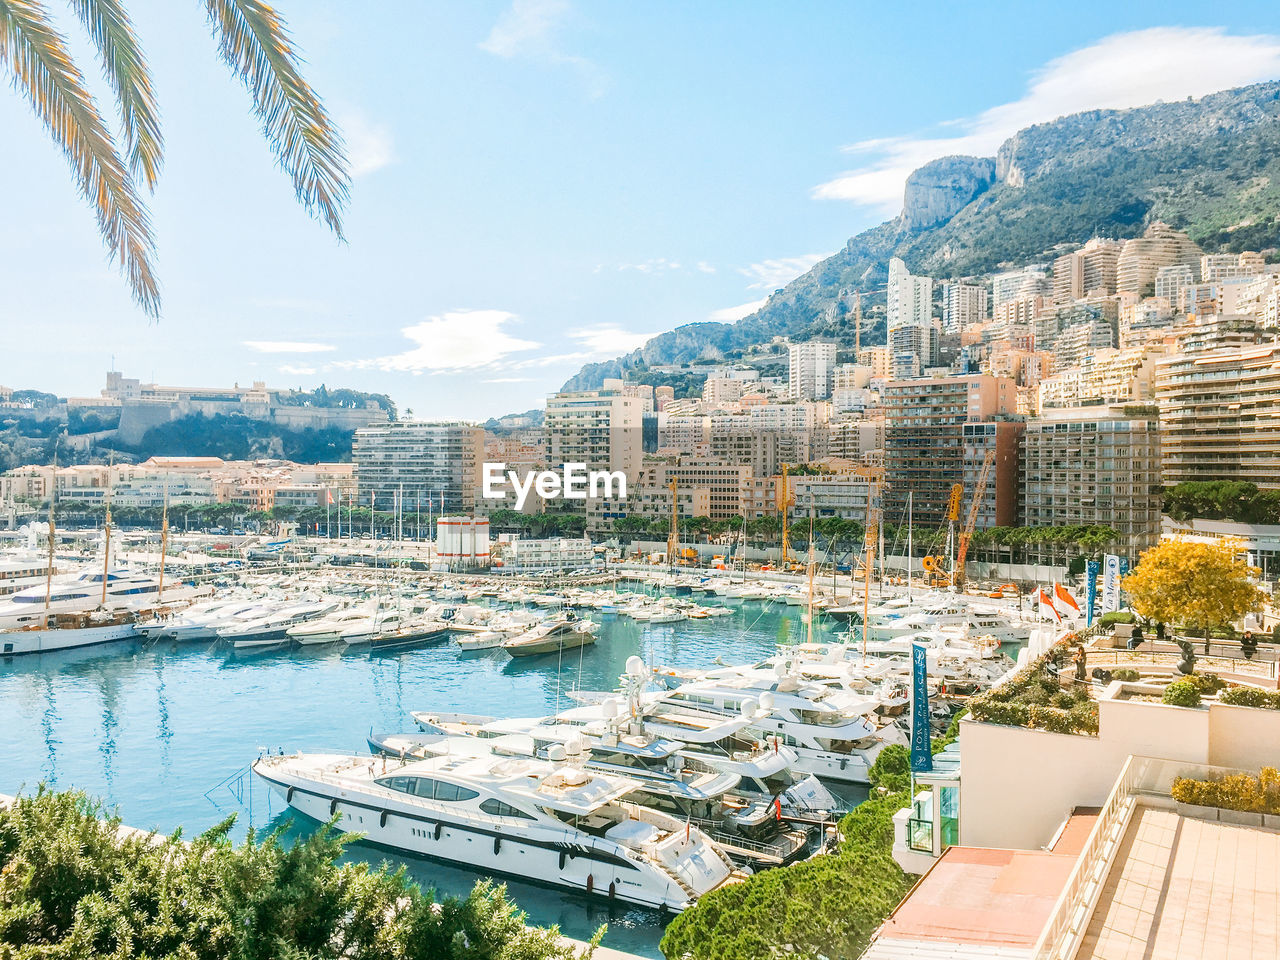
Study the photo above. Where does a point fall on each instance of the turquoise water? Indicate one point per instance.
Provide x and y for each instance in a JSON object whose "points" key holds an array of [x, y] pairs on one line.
{"points": [[165, 732]]}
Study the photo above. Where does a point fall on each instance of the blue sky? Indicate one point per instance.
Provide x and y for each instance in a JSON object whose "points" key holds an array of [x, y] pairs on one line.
{"points": [[546, 182]]}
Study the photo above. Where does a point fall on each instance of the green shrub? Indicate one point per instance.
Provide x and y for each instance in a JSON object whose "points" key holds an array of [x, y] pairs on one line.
{"points": [[1034, 698], [826, 906], [1237, 791], [892, 769], [72, 886], [1250, 697], [1182, 693], [1127, 674], [1206, 683]]}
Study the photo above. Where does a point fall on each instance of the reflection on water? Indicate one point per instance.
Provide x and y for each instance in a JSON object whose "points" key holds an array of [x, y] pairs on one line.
{"points": [[166, 731]]}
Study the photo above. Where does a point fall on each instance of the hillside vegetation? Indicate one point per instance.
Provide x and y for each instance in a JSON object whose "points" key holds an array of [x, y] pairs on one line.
{"points": [[1209, 166]]}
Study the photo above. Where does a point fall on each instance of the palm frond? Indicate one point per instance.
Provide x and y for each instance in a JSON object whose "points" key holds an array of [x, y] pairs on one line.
{"points": [[126, 70], [253, 40], [36, 56]]}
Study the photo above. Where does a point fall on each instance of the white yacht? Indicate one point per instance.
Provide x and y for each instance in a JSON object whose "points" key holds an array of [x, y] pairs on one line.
{"points": [[83, 592], [271, 629], [836, 735], [540, 820]]}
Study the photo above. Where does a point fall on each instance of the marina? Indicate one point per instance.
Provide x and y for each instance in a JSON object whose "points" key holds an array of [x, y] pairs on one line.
{"points": [[166, 721]]}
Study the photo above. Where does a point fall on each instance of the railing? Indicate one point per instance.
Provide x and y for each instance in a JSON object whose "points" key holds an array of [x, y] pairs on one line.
{"points": [[1140, 777], [1074, 908]]}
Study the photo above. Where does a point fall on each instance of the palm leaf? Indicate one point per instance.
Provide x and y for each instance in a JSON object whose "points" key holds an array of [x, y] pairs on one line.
{"points": [[36, 56], [253, 40], [126, 70]]}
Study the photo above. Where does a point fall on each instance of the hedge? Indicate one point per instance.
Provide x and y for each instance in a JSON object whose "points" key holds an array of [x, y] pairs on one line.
{"points": [[1237, 791], [1250, 697], [1034, 698]]}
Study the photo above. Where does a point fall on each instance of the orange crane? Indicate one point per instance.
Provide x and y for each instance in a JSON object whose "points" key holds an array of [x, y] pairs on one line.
{"points": [[875, 479], [979, 490], [785, 501]]}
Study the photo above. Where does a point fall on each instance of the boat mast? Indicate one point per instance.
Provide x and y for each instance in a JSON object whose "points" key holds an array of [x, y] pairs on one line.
{"points": [[808, 617], [673, 541], [53, 503], [910, 544], [164, 539], [106, 540]]}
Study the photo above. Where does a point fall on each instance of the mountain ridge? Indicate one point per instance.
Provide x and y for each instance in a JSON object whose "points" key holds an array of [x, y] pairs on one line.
{"points": [[1210, 166]]}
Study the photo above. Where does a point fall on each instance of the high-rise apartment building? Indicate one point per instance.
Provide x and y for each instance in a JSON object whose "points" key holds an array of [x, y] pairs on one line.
{"points": [[963, 304], [1142, 257], [810, 367], [910, 298], [998, 500], [1092, 466], [1171, 280], [1021, 284], [924, 451], [1220, 416], [1108, 376], [419, 459], [1087, 272], [1081, 340], [599, 428]]}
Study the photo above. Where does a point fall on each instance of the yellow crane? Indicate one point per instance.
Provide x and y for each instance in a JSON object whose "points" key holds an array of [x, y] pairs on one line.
{"points": [[785, 501], [975, 507], [934, 565]]}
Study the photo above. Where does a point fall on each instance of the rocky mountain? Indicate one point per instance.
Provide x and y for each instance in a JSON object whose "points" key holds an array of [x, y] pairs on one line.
{"points": [[1209, 166]]}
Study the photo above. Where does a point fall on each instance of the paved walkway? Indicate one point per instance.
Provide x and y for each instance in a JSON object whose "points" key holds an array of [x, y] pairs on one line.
{"points": [[1186, 889]]}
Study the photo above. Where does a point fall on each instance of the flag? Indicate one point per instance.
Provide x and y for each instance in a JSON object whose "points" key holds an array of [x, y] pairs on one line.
{"points": [[777, 807], [1047, 601], [1061, 593], [1110, 583], [329, 497], [1091, 591]]}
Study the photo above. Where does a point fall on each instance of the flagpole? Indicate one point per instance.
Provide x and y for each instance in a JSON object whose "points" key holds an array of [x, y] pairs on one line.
{"points": [[328, 502]]}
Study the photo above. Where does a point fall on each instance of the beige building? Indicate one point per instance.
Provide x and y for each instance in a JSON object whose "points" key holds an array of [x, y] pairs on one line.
{"points": [[1094, 465], [1220, 416], [1087, 272], [1142, 257], [410, 459], [1107, 376], [599, 428], [810, 366]]}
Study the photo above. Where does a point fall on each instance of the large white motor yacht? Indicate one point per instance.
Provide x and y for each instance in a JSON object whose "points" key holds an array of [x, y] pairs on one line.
{"points": [[541, 820]]}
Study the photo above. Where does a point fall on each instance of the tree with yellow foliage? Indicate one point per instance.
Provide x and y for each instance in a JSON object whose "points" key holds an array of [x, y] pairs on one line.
{"points": [[1194, 584]]}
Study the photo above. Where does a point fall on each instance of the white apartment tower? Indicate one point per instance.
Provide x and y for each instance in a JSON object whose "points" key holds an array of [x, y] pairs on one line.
{"points": [[963, 304], [910, 299], [811, 366]]}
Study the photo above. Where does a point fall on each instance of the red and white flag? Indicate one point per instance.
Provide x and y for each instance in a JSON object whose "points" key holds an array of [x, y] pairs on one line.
{"points": [[329, 496], [1047, 602], [1061, 593]]}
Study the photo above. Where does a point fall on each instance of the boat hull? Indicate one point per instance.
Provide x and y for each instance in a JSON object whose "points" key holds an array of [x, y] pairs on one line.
{"points": [[65, 638], [536, 648], [568, 864]]}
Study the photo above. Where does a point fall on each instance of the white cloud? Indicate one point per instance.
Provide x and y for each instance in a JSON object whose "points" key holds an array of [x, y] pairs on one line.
{"points": [[772, 274], [1119, 71], [705, 267], [288, 346], [296, 371], [370, 146], [653, 265], [529, 30], [609, 340], [508, 380], [730, 314], [453, 342]]}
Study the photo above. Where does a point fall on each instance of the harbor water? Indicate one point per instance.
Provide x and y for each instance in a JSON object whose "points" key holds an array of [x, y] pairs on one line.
{"points": [[164, 732]]}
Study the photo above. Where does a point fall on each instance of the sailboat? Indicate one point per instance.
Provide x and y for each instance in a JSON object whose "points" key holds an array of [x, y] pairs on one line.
{"points": [[84, 609]]}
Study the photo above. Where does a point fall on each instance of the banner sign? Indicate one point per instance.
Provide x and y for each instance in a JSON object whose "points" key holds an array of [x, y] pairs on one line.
{"points": [[1124, 572], [921, 744], [1091, 602], [1110, 583]]}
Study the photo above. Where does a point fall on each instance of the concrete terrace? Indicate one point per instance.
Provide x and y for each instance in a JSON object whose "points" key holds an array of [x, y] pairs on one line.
{"points": [[1186, 889]]}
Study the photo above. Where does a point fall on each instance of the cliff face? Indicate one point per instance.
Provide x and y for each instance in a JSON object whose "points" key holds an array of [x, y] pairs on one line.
{"points": [[939, 190], [1209, 166]]}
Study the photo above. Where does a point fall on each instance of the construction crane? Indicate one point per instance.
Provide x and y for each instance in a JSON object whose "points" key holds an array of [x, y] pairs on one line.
{"points": [[785, 501], [979, 491], [935, 566]]}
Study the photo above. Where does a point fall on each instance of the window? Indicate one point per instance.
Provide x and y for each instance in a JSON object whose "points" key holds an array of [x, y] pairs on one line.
{"points": [[499, 809]]}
